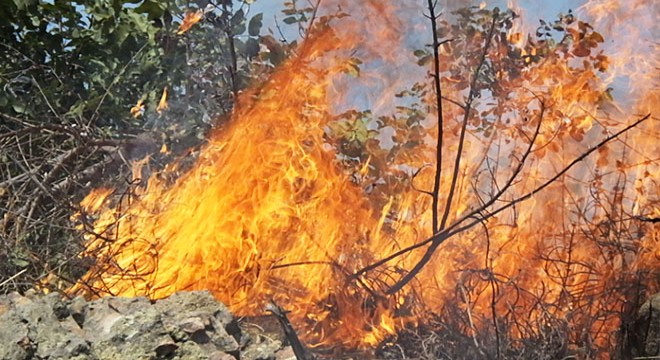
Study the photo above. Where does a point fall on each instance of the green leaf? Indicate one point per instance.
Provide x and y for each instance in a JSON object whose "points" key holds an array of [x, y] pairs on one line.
{"points": [[22, 4], [290, 20], [251, 48], [238, 18], [237, 23], [77, 109], [152, 8], [21, 263], [255, 25], [425, 60], [18, 108], [239, 29], [420, 53]]}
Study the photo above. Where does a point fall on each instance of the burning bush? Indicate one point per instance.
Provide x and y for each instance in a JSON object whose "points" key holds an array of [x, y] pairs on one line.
{"points": [[485, 189]]}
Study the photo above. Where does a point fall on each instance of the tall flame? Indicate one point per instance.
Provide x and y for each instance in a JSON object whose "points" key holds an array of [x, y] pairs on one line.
{"points": [[267, 212]]}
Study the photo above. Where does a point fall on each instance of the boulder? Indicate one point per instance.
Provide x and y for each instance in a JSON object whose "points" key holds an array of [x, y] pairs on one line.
{"points": [[187, 325], [645, 335]]}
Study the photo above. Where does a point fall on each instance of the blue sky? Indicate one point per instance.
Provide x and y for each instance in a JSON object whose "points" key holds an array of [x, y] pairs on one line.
{"points": [[533, 9]]}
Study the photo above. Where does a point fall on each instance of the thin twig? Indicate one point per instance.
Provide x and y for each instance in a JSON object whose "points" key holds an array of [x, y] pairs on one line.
{"points": [[457, 227], [233, 67], [552, 179], [94, 116], [13, 277], [312, 19]]}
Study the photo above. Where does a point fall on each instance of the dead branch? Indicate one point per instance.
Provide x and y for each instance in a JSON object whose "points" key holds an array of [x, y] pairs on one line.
{"points": [[290, 333], [438, 99], [577, 160], [481, 213], [457, 162], [466, 115]]}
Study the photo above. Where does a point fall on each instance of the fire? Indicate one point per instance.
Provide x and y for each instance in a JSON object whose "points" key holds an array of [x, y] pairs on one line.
{"points": [[269, 212], [191, 18], [265, 213]]}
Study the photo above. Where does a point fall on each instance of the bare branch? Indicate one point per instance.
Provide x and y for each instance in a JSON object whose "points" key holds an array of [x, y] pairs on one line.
{"points": [[457, 163], [456, 227], [435, 193], [466, 117], [584, 155]]}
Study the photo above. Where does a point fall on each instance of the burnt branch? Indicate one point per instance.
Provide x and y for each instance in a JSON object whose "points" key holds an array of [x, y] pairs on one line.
{"points": [[457, 162], [481, 214], [233, 67], [648, 219], [438, 103], [591, 150], [290, 333], [466, 115]]}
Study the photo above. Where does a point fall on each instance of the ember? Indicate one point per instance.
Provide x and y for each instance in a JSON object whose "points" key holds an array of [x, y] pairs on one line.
{"points": [[319, 192]]}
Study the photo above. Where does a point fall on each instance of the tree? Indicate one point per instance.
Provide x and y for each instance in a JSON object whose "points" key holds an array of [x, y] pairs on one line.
{"points": [[496, 93], [88, 87], [463, 146]]}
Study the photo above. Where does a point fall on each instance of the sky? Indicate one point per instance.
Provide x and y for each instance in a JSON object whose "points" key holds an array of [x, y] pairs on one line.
{"points": [[533, 9]]}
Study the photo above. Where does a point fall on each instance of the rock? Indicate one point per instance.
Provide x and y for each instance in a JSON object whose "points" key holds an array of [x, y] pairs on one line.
{"points": [[78, 310], [645, 336], [38, 327], [285, 354], [166, 349], [14, 336], [264, 350], [221, 356], [205, 320], [192, 325], [187, 325]]}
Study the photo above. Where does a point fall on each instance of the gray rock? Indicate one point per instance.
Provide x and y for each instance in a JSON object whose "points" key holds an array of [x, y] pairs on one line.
{"points": [[14, 337], [187, 325], [78, 310], [264, 349], [38, 327], [204, 322], [645, 337], [285, 354]]}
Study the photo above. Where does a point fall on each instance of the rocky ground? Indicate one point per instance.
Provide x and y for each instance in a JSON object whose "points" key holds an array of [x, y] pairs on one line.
{"points": [[187, 325], [645, 331], [193, 325]]}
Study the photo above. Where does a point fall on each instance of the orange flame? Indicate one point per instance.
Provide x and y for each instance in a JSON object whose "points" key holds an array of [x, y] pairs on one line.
{"points": [[191, 18], [267, 212], [138, 109], [162, 104]]}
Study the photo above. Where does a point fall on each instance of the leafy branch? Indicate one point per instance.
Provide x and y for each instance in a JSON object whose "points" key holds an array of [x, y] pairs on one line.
{"points": [[482, 214]]}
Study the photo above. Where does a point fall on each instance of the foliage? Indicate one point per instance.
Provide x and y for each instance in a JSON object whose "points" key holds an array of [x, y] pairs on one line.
{"points": [[494, 95], [78, 79], [86, 63], [514, 110], [88, 87]]}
